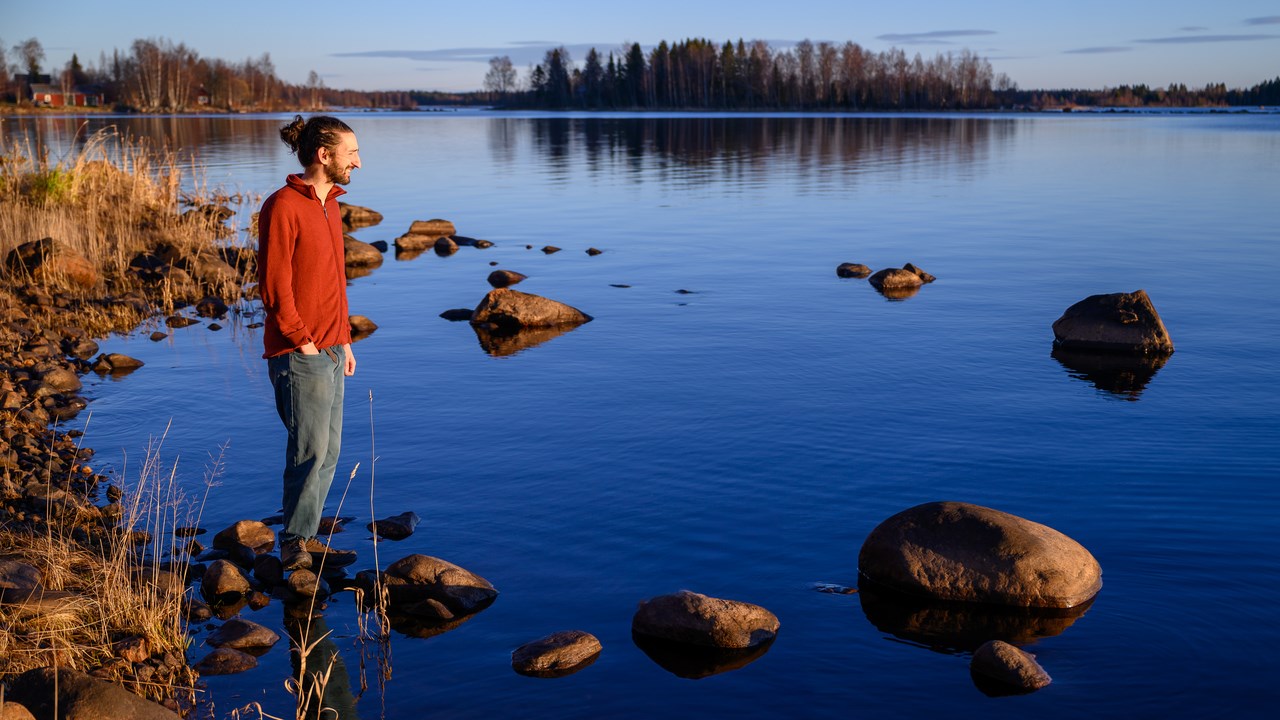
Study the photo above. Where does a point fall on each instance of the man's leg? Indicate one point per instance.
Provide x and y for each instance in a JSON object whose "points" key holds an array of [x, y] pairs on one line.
{"points": [[307, 389]]}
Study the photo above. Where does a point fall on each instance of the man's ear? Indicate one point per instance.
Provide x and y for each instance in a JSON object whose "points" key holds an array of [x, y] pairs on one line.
{"points": [[322, 155]]}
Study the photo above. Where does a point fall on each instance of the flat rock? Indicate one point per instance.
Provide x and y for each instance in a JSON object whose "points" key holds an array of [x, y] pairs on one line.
{"points": [[457, 314], [696, 619], [211, 307], [434, 228], [1008, 666], [239, 633], [1118, 322], [557, 654], [968, 553], [17, 575]]}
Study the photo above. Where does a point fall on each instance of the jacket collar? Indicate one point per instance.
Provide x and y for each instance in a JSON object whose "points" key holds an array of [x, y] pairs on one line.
{"points": [[295, 182]]}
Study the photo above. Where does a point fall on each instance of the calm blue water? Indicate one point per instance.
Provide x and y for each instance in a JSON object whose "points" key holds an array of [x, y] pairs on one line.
{"points": [[742, 440]]}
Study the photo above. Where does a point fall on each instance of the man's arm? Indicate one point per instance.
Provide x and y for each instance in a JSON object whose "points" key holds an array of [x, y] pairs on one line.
{"points": [[277, 241]]}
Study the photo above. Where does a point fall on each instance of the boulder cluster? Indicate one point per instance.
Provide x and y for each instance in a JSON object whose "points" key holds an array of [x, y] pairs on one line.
{"points": [[894, 283]]}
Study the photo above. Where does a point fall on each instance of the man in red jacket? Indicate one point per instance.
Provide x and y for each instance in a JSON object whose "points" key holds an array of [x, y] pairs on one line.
{"points": [[303, 284]]}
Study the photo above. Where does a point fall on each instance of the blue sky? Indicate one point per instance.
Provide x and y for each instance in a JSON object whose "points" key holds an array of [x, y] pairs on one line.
{"points": [[432, 45]]}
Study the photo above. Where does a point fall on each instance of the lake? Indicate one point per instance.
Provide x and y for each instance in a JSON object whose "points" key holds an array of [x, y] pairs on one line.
{"points": [[737, 418]]}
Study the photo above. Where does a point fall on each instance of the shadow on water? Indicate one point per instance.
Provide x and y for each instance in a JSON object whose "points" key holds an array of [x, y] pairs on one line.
{"points": [[951, 627], [1120, 374]]}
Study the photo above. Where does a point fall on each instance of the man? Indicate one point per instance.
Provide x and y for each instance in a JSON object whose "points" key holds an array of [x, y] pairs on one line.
{"points": [[302, 281]]}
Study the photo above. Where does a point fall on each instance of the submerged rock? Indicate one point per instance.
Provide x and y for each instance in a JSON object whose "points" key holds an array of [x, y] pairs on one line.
{"points": [[696, 619], [1118, 322], [969, 553]]}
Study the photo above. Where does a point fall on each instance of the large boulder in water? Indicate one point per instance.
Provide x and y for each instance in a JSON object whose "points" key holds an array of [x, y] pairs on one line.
{"points": [[510, 309], [961, 552], [696, 619], [1118, 322], [417, 578]]}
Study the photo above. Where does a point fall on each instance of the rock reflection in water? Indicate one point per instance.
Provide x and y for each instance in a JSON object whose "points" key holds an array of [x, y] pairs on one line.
{"points": [[420, 627], [899, 293], [501, 343], [694, 662], [960, 627], [1117, 373]]}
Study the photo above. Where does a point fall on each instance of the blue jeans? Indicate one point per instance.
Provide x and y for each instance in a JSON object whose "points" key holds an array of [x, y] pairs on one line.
{"points": [[308, 390]]}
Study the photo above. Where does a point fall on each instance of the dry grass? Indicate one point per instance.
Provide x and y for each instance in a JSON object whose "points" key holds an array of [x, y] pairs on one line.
{"points": [[118, 205], [119, 590]]}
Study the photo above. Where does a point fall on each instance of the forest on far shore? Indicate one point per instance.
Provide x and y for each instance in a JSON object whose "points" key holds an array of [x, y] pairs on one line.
{"points": [[158, 75]]}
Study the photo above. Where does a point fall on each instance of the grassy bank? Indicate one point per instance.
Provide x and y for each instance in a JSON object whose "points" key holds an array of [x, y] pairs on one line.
{"points": [[92, 245]]}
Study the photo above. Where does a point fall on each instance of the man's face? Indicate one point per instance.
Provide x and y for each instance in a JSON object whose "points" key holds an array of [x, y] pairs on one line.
{"points": [[344, 158]]}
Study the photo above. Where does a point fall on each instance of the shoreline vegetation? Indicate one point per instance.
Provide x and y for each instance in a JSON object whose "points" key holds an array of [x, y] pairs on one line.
{"points": [[93, 574], [157, 75]]}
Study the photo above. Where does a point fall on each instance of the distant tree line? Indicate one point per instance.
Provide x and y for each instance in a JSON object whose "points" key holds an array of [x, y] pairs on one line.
{"points": [[1135, 96], [699, 74], [158, 75]]}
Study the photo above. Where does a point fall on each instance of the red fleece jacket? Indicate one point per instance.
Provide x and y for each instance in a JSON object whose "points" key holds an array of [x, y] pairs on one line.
{"points": [[302, 269]]}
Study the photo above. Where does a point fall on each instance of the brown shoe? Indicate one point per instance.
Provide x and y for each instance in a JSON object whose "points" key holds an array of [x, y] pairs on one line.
{"points": [[324, 556], [294, 555]]}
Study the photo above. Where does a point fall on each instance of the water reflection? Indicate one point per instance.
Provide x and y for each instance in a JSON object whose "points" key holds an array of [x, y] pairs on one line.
{"points": [[693, 662], [500, 343], [323, 686], [1120, 374], [752, 149], [960, 627]]}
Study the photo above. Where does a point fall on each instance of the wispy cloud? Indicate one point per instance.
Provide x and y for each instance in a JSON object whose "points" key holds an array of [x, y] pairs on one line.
{"points": [[935, 37], [1098, 50], [1185, 39], [1267, 20], [1193, 28], [521, 52]]}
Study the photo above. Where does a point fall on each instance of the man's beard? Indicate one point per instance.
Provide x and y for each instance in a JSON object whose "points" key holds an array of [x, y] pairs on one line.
{"points": [[334, 173]]}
